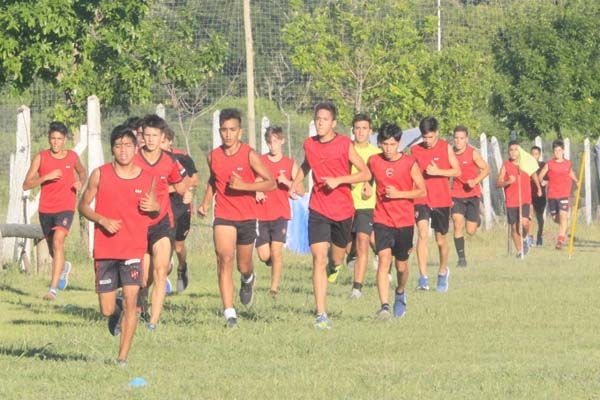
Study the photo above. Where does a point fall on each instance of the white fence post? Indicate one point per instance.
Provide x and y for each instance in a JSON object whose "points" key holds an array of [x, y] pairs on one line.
{"points": [[485, 184], [19, 164], [95, 152], [588, 181], [264, 124], [161, 111]]}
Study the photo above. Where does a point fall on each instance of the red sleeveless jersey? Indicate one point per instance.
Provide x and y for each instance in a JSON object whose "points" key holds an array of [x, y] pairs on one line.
{"points": [[559, 181], [395, 213], [438, 188], [58, 195], [118, 199], [277, 204], [231, 204], [329, 160], [166, 170], [468, 170], [512, 191]]}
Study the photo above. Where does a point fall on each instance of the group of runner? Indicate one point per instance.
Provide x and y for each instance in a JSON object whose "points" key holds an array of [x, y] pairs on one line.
{"points": [[364, 198]]}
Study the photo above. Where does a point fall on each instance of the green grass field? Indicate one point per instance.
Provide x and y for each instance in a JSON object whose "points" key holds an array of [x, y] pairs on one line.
{"points": [[507, 329]]}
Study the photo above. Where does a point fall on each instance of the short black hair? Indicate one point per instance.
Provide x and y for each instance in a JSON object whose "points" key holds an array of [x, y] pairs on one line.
{"points": [[121, 131], [56, 126], [329, 106], [230, 113], [428, 124], [154, 121]]}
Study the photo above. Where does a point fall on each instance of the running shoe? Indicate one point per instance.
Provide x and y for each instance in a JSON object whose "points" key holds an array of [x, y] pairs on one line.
{"points": [[399, 305], [423, 283], [63, 281], [169, 287], [384, 314], [355, 294], [247, 290], [231, 323], [525, 247], [442, 285], [114, 321], [182, 278], [462, 263], [333, 272], [322, 323], [50, 296]]}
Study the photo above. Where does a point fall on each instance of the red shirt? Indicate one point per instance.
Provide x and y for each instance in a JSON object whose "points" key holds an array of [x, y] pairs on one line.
{"points": [[468, 170], [58, 195], [277, 204], [559, 181], [512, 191], [232, 204], [329, 159], [395, 213], [438, 189], [118, 199], [167, 170]]}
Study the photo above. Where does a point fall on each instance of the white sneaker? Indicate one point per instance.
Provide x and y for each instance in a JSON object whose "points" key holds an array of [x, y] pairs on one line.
{"points": [[355, 294]]}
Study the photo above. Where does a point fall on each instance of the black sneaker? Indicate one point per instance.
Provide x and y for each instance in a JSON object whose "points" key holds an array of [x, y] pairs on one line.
{"points": [[114, 321], [247, 290], [142, 303], [231, 322], [182, 278], [462, 263]]}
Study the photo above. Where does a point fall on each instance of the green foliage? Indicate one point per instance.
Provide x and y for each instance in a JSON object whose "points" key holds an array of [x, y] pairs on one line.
{"points": [[550, 68]]}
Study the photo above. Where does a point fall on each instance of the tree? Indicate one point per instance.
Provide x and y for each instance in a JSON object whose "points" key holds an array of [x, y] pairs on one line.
{"points": [[549, 57], [349, 49]]}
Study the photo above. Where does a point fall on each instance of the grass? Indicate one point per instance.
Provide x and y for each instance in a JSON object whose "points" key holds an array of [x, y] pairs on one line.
{"points": [[507, 329]]}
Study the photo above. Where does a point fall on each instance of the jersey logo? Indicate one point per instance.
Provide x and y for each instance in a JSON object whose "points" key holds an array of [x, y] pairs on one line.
{"points": [[389, 172]]}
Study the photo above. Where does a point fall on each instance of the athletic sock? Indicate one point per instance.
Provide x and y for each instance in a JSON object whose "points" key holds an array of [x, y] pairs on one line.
{"points": [[385, 306], [357, 285], [459, 243], [229, 313], [54, 291], [247, 278]]}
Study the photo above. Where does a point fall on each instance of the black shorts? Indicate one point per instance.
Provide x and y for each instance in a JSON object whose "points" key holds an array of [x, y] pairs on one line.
{"points": [[556, 205], [60, 220], [468, 207], [246, 230], [160, 230], [440, 217], [400, 240], [183, 218], [512, 213], [272, 231], [113, 274], [322, 229], [363, 221]]}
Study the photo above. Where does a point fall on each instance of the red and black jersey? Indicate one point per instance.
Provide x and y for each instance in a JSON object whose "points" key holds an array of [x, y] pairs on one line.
{"points": [[330, 159], [58, 195], [511, 191], [232, 204], [559, 180], [468, 170], [166, 170], [395, 213], [277, 204], [118, 199], [190, 169], [438, 188]]}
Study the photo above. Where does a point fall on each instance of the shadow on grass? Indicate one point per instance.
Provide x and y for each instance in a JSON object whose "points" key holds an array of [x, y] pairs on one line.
{"points": [[55, 324], [42, 353], [7, 288]]}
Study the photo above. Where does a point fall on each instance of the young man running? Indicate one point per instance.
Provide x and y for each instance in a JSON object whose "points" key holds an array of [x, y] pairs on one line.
{"points": [[329, 156], [538, 202], [438, 164], [364, 203], [560, 180], [465, 191], [399, 181], [120, 233], [182, 208], [167, 172], [236, 173], [274, 209], [60, 174], [517, 190]]}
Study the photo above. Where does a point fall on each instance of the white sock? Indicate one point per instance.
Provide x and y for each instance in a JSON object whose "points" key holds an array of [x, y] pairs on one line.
{"points": [[229, 313]]}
